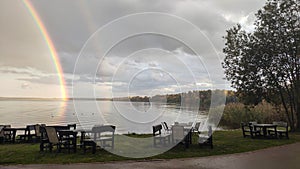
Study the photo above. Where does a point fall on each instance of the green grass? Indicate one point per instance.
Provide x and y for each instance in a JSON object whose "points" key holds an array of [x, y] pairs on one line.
{"points": [[225, 142]]}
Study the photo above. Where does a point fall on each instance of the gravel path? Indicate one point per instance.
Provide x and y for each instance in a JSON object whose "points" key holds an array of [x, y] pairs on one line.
{"points": [[283, 157]]}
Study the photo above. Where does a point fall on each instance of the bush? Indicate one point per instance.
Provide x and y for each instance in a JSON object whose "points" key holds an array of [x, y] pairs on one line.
{"points": [[235, 113]]}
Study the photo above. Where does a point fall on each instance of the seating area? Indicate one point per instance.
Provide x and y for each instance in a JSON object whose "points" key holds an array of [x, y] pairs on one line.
{"points": [[276, 130], [60, 137], [102, 135], [181, 133], [67, 138], [159, 137]]}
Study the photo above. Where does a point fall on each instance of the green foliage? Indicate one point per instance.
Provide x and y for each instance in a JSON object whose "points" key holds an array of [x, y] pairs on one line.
{"points": [[265, 64], [202, 98], [235, 113], [139, 99]]}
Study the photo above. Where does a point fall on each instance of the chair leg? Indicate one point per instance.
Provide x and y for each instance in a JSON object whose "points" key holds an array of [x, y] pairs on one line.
{"points": [[41, 146], [89, 143], [50, 147], [94, 147], [58, 146]]}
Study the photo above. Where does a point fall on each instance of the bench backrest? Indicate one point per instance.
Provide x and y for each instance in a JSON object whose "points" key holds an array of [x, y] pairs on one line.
{"points": [[72, 126], [164, 124], [1, 131], [52, 135], [104, 128], [37, 130], [107, 131], [251, 123], [280, 124], [156, 129], [197, 125], [31, 129]]}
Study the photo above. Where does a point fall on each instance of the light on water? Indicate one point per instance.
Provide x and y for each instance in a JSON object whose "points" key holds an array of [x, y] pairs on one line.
{"points": [[135, 117]]}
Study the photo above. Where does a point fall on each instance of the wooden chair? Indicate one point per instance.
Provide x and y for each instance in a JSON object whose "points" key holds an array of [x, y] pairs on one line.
{"points": [[38, 133], [281, 130], [103, 135], [166, 128], [196, 128], [246, 129], [68, 138], [52, 140], [42, 132], [90, 143], [44, 139], [254, 132], [178, 134], [163, 138], [7, 136], [206, 139], [29, 134], [1, 134]]}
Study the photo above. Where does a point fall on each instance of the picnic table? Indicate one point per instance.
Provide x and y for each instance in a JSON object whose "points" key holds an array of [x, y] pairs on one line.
{"points": [[264, 128], [13, 133]]}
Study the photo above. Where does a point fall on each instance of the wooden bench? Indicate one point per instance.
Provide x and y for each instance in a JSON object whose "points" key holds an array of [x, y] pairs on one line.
{"points": [[245, 129], [163, 138], [103, 135], [30, 134], [249, 130], [281, 129]]}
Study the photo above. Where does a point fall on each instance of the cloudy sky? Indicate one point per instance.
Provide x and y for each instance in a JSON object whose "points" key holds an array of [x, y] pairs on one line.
{"points": [[117, 48]]}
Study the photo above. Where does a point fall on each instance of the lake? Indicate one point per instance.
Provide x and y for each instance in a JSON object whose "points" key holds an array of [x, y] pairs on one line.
{"points": [[128, 117]]}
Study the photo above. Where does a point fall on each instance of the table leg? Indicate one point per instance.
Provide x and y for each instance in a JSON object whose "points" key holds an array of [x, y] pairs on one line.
{"points": [[74, 142], [265, 131], [187, 140], [14, 136], [82, 138]]}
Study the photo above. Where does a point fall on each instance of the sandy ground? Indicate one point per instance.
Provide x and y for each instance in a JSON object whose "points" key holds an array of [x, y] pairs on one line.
{"points": [[283, 157]]}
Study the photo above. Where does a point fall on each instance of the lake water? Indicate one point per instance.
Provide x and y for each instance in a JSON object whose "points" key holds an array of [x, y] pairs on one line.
{"points": [[137, 117]]}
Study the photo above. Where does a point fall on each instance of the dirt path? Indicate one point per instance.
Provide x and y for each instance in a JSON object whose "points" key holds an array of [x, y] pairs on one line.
{"points": [[283, 157]]}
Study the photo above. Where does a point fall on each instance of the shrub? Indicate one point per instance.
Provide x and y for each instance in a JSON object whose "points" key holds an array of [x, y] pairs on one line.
{"points": [[235, 113]]}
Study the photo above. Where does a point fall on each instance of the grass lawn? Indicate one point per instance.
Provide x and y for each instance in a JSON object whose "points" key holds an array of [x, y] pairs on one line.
{"points": [[225, 142]]}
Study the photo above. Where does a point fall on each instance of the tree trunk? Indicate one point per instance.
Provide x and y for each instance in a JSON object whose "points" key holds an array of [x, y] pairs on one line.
{"points": [[297, 111], [297, 127], [288, 115], [297, 102]]}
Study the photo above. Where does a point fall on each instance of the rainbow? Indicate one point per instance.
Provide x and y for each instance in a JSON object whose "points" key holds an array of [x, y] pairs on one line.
{"points": [[50, 45]]}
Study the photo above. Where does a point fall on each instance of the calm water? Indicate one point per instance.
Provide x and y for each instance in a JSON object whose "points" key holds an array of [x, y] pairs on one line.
{"points": [[127, 116]]}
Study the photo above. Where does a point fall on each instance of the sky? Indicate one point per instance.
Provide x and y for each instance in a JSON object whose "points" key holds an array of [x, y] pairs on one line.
{"points": [[117, 48]]}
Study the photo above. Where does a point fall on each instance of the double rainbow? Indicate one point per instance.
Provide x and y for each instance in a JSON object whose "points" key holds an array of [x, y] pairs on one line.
{"points": [[50, 45]]}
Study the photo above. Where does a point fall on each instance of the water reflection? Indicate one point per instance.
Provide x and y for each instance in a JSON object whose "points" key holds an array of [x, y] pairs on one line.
{"points": [[137, 117]]}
